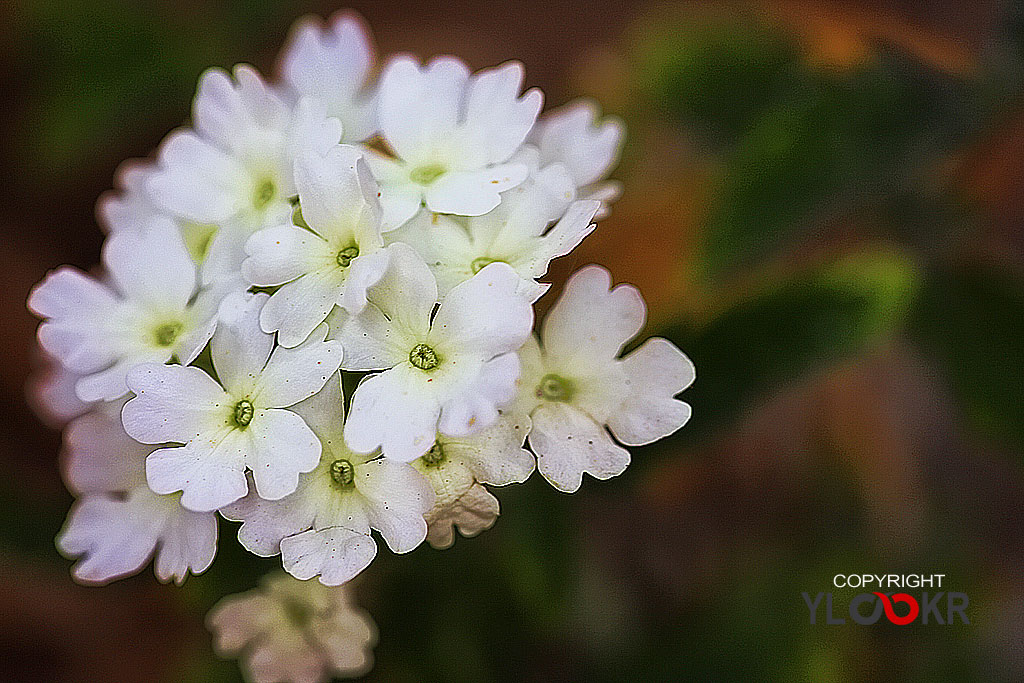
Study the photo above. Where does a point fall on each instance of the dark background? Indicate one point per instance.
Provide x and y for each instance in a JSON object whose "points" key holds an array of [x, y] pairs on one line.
{"points": [[823, 207]]}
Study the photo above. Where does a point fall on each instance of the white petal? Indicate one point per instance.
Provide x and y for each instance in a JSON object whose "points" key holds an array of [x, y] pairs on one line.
{"points": [[225, 253], [346, 640], [443, 244], [655, 373], [240, 348], [211, 472], [486, 315], [133, 259], [297, 308], [475, 511], [371, 342], [225, 107], [311, 130], [202, 315], [476, 407], [334, 554], [283, 446], [188, 541], [196, 180], [110, 384], [294, 374], [172, 403], [338, 196], [76, 308], [99, 457], [333, 63], [363, 273], [496, 455], [399, 203], [324, 411], [495, 113], [473, 193], [606, 193], [266, 522], [590, 322], [400, 496], [419, 103], [394, 412], [531, 370], [111, 535], [572, 135], [51, 393], [568, 443], [280, 254], [237, 619], [568, 232]]}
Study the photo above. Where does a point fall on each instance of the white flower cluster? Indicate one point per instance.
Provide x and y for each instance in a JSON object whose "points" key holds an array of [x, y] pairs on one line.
{"points": [[332, 223]]}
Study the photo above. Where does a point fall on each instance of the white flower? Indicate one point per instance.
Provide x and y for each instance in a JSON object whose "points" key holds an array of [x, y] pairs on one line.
{"points": [[323, 529], [131, 208], [575, 385], [456, 466], [234, 170], [332, 63], [331, 262], [446, 372], [290, 631], [575, 135], [451, 134], [118, 523], [516, 233], [101, 331], [244, 424]]}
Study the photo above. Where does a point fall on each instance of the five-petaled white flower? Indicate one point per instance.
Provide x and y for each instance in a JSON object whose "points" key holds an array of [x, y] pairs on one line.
{"points": [[329, 262], [100, 331], [447, 371], [457, 466], [323, 529], [234, 169], [516, 233], [332, 63], [451, 134], [117, 524], [290, 631], [575, 136], [241, 422], [574, 384]]}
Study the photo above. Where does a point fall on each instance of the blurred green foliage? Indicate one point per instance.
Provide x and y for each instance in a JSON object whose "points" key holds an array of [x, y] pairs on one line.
{"points": [[792, 328], [972, 319]]}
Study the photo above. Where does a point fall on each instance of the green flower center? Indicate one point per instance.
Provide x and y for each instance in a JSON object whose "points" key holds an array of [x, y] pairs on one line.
{"points": [[265, 191], [554, 388], [166, 334], [482, 262], [424, 357], [243, 413], [298, 612], [346, 255], [435, 455], [424, 175], [343, 472]]}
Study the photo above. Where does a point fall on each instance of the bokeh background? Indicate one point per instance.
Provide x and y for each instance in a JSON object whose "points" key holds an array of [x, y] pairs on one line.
{"points": [[824, 206]]}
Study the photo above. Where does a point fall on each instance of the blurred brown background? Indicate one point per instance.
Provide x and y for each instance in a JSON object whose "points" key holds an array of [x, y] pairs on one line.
{"points": [[824, 206]]}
